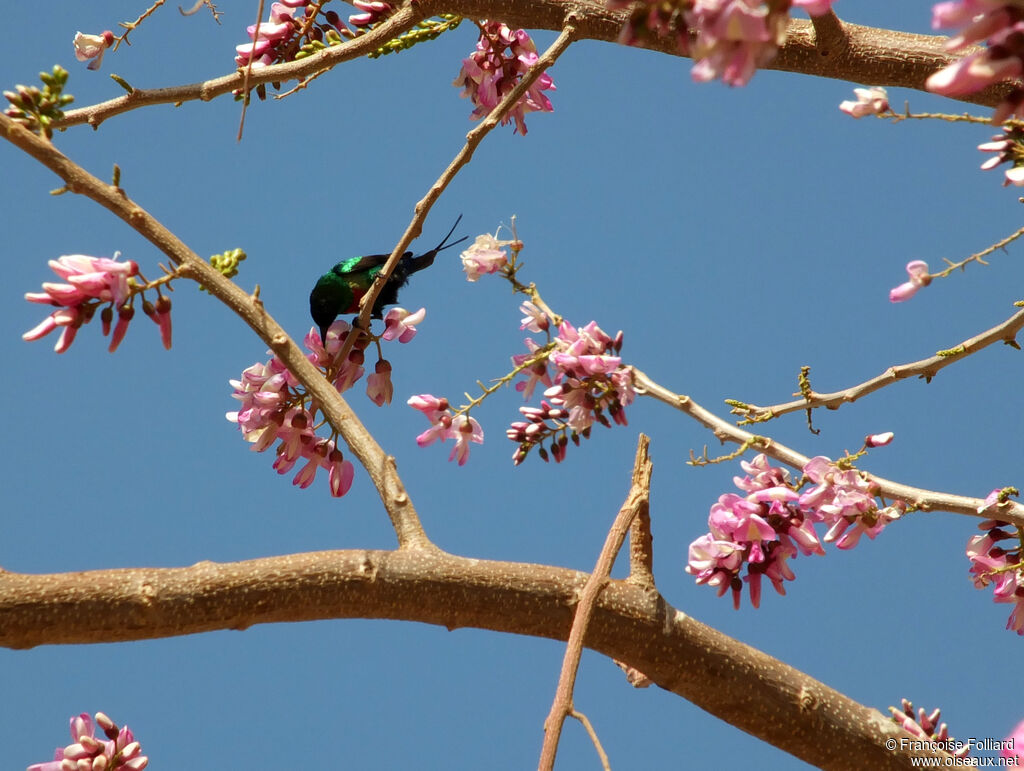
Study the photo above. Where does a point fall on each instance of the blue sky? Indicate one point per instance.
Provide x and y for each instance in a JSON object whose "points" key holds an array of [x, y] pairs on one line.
{"points": [[733, 234]]}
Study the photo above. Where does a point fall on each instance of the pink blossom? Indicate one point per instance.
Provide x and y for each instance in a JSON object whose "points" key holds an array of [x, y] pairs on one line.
{"points": [[1009, 148], [90, 282], [996, 24], [995, 559], [1015, 745], [814, 7], [400, 324], [879, 440], [462, 428], [271, 39], [118, 752], [917, 270], [92, 47], [378, 385], [534, 319], [926, 726], [587, 379], [870, 101], [485, 255], [502, 57], [373, 11]]}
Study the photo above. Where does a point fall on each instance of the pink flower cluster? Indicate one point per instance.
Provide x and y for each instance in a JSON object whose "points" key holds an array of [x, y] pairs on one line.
{"points": [[275, 40], [728, 39], [443, 426], [996, 559], [918, 276], [502, 57], [927, 726], [997, 23], [89, 282], [772, 522], [119, 752], [275, 408], [585, 381], [1009, 148], [485, 255]]}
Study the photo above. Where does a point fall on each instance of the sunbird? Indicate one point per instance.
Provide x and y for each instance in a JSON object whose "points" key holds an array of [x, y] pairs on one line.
{"points": [[340, 289]]}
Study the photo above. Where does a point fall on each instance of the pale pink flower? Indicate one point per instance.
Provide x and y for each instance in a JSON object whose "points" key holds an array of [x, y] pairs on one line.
{"points": [[534, 319], [400, 324], [917, 270], [879, 440], [378, 385], [870, 101], [485, 255], [92, 47]]}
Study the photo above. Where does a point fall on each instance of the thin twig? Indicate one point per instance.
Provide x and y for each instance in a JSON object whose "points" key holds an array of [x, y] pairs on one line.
{"points": [[381, 467], [921, 500], [601, 754], [1005, 332], [473, 139], [639, 495]]}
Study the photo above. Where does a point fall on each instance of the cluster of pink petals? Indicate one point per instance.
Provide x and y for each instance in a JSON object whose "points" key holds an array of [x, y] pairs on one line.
{"points": [[372, 12], [997, 23], [730, 38], [271, 37], [585, 381], [870, 101], [1009, 148], [444, 426], [918, 276], [502, 57], [274, 408], [486, 255], [272, 411], [926, 726], [734, 38], [771, 522], [87, 283], [92, 47], [995, 559], [118, 752]]}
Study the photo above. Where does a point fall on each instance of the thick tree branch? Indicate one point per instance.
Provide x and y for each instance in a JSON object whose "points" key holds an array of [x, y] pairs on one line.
{"points": [[729, 679], [381, 467], [869, 55]]}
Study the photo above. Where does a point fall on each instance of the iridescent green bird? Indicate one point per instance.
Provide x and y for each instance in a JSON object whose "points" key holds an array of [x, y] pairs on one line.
{"points": [[340, 289]]}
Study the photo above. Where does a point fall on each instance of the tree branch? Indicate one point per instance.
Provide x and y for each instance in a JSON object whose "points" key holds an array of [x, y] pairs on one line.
{"points": [[727, 678], [1006, 332], [381, 467], [562, 706], [923, 500], [878, 57]]}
